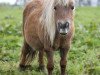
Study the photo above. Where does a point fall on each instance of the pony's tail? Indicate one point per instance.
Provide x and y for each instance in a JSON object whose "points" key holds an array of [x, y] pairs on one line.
{"points": [[27, 56]]}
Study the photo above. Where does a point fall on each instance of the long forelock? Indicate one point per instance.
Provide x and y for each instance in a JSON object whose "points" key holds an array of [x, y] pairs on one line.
{"points": [[47, 18]]}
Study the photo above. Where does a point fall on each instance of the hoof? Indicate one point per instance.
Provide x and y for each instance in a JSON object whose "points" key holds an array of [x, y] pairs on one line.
{"points": [[25, 67], [43, 69]]}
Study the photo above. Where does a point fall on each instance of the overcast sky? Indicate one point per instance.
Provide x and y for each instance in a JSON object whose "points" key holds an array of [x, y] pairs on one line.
{"points": [[8, 1]]}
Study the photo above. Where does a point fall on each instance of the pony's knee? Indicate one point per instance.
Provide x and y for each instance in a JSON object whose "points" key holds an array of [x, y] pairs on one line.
{"points": [[63, 63], [50, 66]]}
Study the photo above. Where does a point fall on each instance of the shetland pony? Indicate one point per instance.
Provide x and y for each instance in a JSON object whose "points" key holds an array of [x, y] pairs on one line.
{"points": [[48, 25]]}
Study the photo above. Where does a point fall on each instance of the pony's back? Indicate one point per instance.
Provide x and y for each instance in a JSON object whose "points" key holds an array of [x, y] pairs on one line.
{"points": [[29, 8]]}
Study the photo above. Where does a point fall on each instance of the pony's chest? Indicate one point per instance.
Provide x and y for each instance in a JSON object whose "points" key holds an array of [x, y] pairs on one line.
{"points": [[59, 42], [56, 44]]}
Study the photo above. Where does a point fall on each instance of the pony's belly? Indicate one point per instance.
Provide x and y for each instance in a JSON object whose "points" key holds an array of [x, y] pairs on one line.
{"points": [[34, 42]]}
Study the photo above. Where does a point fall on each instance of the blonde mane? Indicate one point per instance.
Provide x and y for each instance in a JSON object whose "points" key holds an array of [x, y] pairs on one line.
{"points": [[47, 17]]}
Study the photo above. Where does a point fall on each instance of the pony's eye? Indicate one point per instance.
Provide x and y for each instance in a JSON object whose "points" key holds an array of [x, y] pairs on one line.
{"points": [[55, 7], [72, 7]]}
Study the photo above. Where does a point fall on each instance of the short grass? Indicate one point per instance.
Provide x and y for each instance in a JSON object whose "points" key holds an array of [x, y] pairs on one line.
{"points": [[84, 55]]}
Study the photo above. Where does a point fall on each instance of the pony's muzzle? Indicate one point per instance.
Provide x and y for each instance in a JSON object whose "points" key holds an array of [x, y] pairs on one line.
{"points": [[63, 28]]}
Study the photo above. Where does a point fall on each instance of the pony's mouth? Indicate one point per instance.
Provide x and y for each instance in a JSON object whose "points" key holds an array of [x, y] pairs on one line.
{"points": [[64, 31]]}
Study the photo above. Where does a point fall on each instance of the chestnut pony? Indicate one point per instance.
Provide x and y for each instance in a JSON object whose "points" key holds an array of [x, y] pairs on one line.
{"points": [[48, 25]]}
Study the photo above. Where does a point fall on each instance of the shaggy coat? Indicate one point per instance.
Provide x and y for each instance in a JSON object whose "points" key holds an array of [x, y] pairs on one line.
{"points": [[41, 33]]}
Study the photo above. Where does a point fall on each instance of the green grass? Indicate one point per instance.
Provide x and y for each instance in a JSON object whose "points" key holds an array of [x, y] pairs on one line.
{"points": [[84, 55]]}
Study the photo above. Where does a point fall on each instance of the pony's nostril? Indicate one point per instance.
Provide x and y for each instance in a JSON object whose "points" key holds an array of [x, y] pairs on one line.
{"points": [[59, 23], [66, 24], [63, 25]]}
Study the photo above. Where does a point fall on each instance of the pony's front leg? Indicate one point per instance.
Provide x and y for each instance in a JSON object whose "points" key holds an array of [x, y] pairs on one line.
{"points": [[63, 61], [41, 61], [50, 64]]}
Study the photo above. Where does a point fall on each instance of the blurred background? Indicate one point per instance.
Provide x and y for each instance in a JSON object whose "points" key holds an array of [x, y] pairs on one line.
{"points": [[84, 55], [78, 2]]}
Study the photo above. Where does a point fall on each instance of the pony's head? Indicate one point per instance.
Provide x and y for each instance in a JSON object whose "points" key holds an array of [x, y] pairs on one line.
{"points": [[63, 15], [57, 16]]}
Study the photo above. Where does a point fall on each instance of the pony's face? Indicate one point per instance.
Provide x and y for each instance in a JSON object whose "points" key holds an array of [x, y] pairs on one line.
{"points": [[64, 17]]}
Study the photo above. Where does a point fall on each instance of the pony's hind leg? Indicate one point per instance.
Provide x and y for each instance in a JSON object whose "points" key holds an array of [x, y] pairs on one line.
{"points": [[27, 55]]}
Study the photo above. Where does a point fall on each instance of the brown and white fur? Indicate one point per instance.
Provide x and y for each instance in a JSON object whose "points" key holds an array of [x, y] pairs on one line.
{"points": [[48, 25]]}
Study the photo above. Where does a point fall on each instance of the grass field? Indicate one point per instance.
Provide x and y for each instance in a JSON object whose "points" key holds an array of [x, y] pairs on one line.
{"points": [[84, 55]]}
